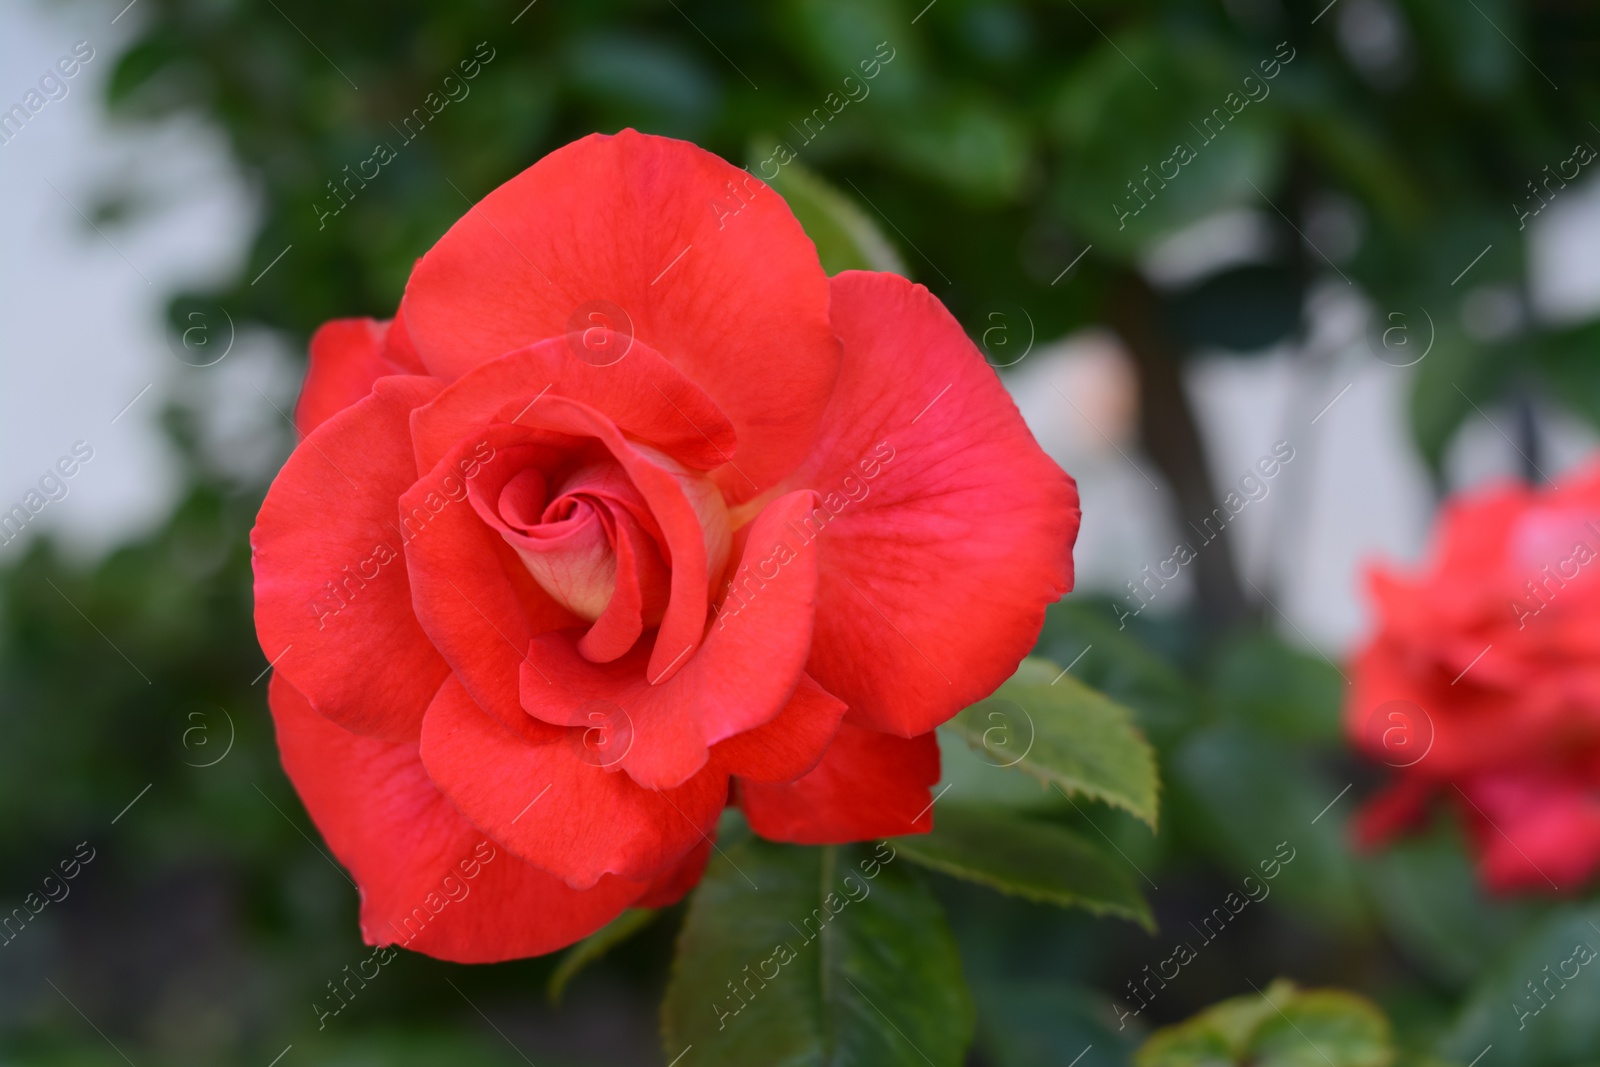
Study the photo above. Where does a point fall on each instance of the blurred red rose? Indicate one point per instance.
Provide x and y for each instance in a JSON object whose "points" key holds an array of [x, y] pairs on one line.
{"points": [[1482, 685], [631, 512]]}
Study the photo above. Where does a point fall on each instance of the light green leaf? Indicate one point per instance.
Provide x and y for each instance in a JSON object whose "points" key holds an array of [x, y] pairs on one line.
{"points": [[1321, 1026], [840, 958], [1035, 860], [845, 236], [1281, 1027], [1046, 723], [596, 945]]}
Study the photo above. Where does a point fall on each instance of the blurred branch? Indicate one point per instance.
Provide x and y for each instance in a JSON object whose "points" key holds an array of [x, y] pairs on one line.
{"points": [[1171, 437]]}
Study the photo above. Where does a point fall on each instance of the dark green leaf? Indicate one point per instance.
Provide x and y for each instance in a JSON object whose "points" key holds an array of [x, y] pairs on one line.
{"points": [[1246, 794], [1138, 107], [1035, 860], [846, 238], [1042, 1023], [1266, 685], [1536, 1005], [596, 945], [1434, 908], [840, 958]]}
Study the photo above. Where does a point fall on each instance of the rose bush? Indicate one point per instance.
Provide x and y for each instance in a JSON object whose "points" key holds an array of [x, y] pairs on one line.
{"points": [[630, 513], [1482, 684]]}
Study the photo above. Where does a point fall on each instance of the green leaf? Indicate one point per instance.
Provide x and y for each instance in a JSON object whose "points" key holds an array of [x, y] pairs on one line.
{"points": [[1046, 723], [1456, 374], [1536, 1005], [1117, 134], [841, 957], [1115, 662], [1281, 1027], [971, 145], [1043, 1023], [1568, 358], [1038, 861], [1244, 795], [845, 236], [1262, 683], [596, 945], [1320, 1026], [1433, 907]]}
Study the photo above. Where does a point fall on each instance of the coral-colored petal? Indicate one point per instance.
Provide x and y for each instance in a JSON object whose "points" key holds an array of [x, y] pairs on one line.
{"points": [[643, 585], [742, 676], [868, 784], [474, 598], [686, 508], [1538, 831], [429, 880], [347, 356], [647, 397], [707, 265], [535, 791], [1400, 807], [788, 745], [947, 530], [333, 595], [676, 883]]}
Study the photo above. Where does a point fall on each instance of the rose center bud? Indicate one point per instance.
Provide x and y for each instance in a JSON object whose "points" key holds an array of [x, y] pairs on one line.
{"points": [[589, 537]]}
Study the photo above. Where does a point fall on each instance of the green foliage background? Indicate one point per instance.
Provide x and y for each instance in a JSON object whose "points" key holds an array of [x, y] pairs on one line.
{"points": [[989, 154]]}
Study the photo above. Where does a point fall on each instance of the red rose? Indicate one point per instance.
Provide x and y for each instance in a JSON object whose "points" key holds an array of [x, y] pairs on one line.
{"points": [[1483, 684], [631, 512]]}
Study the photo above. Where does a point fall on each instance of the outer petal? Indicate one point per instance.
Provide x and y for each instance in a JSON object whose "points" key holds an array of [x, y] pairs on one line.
{"points": [[429, 879], [948, 531], [1538, 831], [789, 745], [676, 883], [333, 596], [347, 356], [534, 792], [868, 785], [707, 264], [1396, 809]]}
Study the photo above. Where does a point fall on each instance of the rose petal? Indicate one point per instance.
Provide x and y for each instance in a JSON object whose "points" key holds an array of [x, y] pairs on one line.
{"points": [[676, 883], [644, 395], [532, 788], [1538, 830], [347, 356], [473, 597], [332, 590], [789, 744], [742, 676], [429, 879], [688, 511], [946, 530], [868, 785], [707, 264]]}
